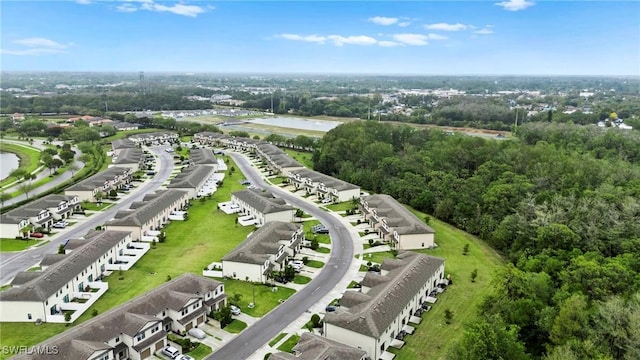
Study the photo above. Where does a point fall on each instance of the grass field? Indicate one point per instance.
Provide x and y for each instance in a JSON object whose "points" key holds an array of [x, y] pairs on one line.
{"points": [[26, 334], [315, 264], [433, 338], [29, 158], [287, 345], [299, 279], [16, 245], [343, 206], [235, 327], [200, 352], [123, 134], [265, 298], [304, 158]]}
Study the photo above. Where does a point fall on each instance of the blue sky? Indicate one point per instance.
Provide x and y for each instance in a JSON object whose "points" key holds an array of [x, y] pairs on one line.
{"points": [[400, 37]]}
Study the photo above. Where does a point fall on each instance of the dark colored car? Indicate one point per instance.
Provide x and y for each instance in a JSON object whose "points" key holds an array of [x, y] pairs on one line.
{"points": [[330, 308], [37, 235]]}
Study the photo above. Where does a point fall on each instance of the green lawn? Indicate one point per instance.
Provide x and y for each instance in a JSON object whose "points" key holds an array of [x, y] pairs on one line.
{"points": [[315, 264], [323, 250], [265, 298], [343, 206], [304, 158], [16, 245], [287, 345], [200, 352], [323, 238], [94, 207], [277, 338], [29, 158], [123, 134], [299, 279], [433, 338], [26, 334], [278, 180], [235, 327]]}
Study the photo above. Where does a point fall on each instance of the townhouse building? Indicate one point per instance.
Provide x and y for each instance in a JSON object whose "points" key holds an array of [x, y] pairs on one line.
{"points": [[42, 212], [262, 206], [149, 215], [132, 158], [315, 347], [209, 138], [395, 223], [196, 180], [202, 157], [263, 251], [323, 186], [154, 137], [276, 159], [138, 329], [121, 144], [68, 283], [105, 181], [372, 318]]}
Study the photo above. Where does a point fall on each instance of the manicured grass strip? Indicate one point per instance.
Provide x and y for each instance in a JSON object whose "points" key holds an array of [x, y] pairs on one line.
{"points": [[304, 158], [200, 352], [363, 268], [16, 245], [235, 327], [315, 264], [323, 250], [29, 158], [124, 134], [299, 279], [343, 206], [287, 345], [277, 180], [352, 285], [27, 334], [323, 238], [265, 298], [277, 338], [377, 257], [94, 206], [433, 338]]}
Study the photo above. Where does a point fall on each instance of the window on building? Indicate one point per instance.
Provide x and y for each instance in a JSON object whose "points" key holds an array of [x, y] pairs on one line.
{"points": [[140, 336], [29, 316]]}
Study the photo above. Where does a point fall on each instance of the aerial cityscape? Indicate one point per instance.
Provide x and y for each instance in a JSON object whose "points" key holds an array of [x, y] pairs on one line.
{"points": [[319, 180]]}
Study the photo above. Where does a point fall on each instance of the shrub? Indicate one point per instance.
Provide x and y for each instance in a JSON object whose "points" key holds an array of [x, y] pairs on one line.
{"points": [[305, 260]]}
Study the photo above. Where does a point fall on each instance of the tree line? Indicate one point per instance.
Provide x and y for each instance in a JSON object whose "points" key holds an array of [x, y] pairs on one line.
{"points": [[561, 204]]}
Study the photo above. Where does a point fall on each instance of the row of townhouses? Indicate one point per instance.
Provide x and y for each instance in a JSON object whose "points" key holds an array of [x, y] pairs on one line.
{"points": [[323, 186], [261, 207], [121, 144], [395, 223], [41, 213], [132, 158], [144, 218], [371, 318], [196, 180], [154, 137], [202, 157], [264, 251], [70, 282], [139, 328], [315, 183], [314, 347], [111, 179]]}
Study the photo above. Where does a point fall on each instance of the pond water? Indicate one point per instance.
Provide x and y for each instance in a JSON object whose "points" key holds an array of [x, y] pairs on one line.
{"points": [[298, 123], [8, 163]]}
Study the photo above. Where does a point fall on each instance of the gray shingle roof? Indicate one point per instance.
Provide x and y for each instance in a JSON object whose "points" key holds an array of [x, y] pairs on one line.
{"points": [[396, 215], [129, 156], [327, 180], [192, 177], [262, 201], [127, 318], [143, 211], [263, 243], [372, 313], [314, 347], [122, 144], [58, 275], [99, 179], [33, 208], [202, 157]]}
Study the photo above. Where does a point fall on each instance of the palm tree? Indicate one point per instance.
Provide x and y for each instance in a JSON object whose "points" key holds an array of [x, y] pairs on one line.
{"points": [[4, 197], [73, 168], [25, 188]]}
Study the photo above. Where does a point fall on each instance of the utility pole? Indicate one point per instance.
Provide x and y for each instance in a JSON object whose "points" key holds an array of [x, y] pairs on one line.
{"points": [[517, 117]]}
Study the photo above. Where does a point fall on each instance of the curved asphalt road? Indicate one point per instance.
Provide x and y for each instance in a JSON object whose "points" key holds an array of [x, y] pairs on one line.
{"points": [[255, 336], [12, 263]]}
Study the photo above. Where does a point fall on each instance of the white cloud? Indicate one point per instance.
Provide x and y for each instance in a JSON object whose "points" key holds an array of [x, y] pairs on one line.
{"points": [[412, 39], [382, 20], [385, 43], [446, 27], [126, 8], [436, 37], [39, 43], [308, 38], [484, 31], [339, 40], [178, 9], [404, 23], [36, 46], [515, 5]]}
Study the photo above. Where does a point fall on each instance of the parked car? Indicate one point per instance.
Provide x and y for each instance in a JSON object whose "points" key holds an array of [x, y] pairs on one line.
{"points": [[59, 225], [185, 357], [296, 263], [37, 235], [320, 229], [330, 308], [235, 310], [171, 352], [326, 201], [197, 333]]}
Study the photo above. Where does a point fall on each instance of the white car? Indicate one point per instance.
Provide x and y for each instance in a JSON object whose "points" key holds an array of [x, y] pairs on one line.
{"points": [[171, 352], [197, 333], [235, 310]]}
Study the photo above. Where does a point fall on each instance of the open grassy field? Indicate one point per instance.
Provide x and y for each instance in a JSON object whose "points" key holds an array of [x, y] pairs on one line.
{"points": [[303, 157], [124, 134], [433, 338], [26, 334], [265, 298]]}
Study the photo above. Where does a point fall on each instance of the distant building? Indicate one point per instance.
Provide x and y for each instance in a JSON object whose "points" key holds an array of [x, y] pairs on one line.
{"points": [[262, 206]]}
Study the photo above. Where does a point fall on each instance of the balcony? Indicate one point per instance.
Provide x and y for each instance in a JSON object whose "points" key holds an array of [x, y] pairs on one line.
{"points": [[82, 300]]}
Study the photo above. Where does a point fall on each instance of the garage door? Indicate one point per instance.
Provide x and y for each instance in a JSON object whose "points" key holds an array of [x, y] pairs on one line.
{"points": [[201, 319], [159, 345], [189, 326], [145, 354]]}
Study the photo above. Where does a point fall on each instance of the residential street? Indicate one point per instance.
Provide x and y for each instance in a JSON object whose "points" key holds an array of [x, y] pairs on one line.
{"points": [[255, 336], [12, 263]]}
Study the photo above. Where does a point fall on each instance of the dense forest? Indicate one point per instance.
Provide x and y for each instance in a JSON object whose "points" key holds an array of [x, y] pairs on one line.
{"points": [[561, 203]]}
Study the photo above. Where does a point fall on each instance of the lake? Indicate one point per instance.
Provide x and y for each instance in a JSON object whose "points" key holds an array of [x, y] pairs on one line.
{"points": [[298, 123], [8, 163]]}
